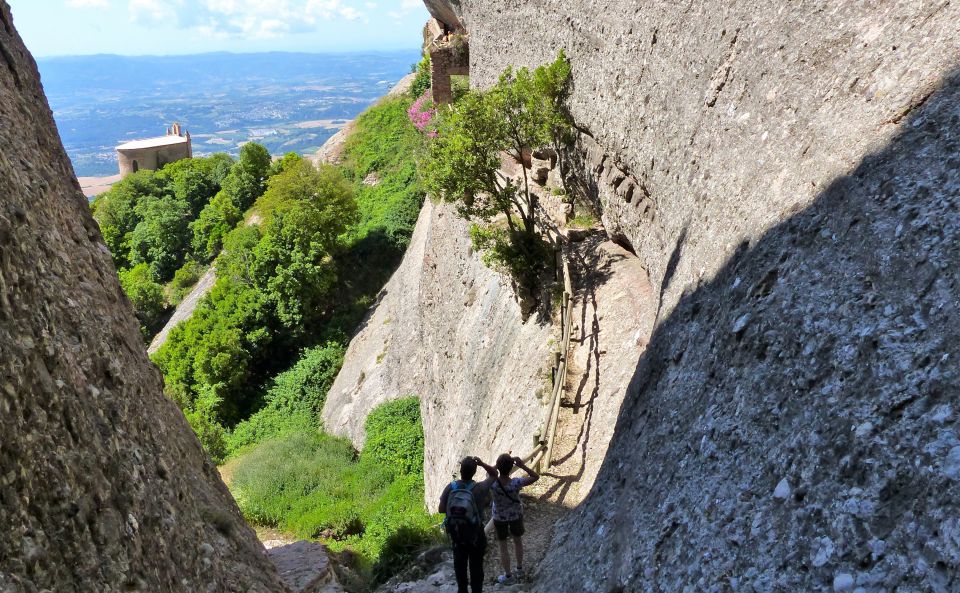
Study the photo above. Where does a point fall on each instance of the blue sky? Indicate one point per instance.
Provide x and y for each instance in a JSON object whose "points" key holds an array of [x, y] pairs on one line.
{"points": [[161, 27]]}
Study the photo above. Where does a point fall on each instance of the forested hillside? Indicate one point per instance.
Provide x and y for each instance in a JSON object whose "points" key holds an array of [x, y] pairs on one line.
{"points": [[300, 251]]}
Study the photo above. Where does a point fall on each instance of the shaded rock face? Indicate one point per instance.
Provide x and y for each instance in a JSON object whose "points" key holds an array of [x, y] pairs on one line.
{"points": [[449, 330], [103, 486], [790, 175]]}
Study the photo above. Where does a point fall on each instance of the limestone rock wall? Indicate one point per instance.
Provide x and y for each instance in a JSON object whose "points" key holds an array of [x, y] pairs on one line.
{"points": [[788, 173], [103, 486], [447, 329]]}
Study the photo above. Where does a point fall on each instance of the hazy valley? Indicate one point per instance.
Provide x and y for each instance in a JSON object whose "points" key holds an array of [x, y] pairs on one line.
{"points": [[285, 101]]}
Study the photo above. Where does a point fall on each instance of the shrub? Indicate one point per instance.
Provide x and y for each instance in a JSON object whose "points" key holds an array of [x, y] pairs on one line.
{"points": [[184, 279], [421, 114], [421, 82], [395, 436], [145, 295], [294, 400]]}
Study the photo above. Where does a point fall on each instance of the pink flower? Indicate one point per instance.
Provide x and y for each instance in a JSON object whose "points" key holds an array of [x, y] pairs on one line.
{"points": [[421, 116]]}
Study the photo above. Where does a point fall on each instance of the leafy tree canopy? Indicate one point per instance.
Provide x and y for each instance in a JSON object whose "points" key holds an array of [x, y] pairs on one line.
{"points": [[161, 237], [522, 112]]}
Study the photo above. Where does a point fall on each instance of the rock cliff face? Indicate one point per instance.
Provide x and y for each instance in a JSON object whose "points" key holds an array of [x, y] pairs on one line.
{"points": [[788, 173], [448, 330], [103, 486]]}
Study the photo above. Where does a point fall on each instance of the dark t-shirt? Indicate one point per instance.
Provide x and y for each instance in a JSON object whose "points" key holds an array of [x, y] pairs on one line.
{"points": [[481, 493]]}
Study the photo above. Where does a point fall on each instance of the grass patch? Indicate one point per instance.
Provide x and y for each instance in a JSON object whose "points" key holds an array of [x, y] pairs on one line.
{"points": [[583, 220], [313, 485]]}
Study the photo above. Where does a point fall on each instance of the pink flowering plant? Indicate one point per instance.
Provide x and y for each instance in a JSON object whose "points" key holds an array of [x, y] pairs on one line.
{"points": [[422, 114]]}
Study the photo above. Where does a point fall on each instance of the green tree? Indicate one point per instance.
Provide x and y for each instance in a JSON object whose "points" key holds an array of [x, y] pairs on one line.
{"points": [[274, 282], [145, 295], [161, 237], [522, 112], [282, 164], [116, 211], [216, 220], [247, 179], [220, 165], [191, 180], [301, 181]]}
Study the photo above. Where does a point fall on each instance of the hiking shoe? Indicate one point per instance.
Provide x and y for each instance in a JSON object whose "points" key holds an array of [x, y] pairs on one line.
{"points": [[518, 574], [503, 579]]}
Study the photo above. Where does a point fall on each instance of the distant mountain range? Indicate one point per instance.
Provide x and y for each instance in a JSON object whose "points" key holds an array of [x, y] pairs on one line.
{"points": [[286, 101]]}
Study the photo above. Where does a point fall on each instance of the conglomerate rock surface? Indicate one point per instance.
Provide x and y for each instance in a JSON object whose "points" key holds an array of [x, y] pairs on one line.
{"points": [[103, 486], [789, 173]]}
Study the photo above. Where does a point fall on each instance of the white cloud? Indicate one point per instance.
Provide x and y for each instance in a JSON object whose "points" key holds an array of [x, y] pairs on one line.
{"points": [[246, 19], [87, 3], [406, 7], [154, 10]]}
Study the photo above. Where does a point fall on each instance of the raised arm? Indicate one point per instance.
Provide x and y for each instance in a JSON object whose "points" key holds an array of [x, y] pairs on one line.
{"points": [[492, 472], [532, 476]]}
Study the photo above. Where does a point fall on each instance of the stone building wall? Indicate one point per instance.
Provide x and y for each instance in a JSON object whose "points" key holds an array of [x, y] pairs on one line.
{"points": [[451, 58], [103, 485], [151, 158]]}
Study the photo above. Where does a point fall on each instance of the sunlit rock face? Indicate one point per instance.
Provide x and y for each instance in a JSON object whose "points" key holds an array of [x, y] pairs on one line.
{"points": [[103, 486], [449, 330], [788, 174]]}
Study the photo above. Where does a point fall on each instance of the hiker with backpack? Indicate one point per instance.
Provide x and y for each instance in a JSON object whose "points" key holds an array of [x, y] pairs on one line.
{"points": [[508, 511], [462, 502]]}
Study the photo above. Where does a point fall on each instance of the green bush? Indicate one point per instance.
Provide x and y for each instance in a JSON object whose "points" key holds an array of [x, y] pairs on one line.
{"points": [[422, 81], [294, 400], [384, 142], [216, 220], [313, 485], [145, 295], [395, 436], [184, 279]]}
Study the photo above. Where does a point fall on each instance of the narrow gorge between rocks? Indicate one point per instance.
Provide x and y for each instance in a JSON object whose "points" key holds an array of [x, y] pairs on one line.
{"points": [[759, 207]]}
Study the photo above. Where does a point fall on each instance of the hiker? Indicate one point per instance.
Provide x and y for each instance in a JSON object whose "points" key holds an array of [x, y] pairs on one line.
{"points": [[462, 502], [508, 511]]}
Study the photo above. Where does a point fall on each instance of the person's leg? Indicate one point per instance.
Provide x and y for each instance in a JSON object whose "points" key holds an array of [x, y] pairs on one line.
{"points": [[503, 530], [504, 556], [461, 555], [516, 530], [476, 567]]}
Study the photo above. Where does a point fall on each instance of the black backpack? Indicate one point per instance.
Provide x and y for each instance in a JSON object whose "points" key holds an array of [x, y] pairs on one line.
{"points": [[463, 520]]}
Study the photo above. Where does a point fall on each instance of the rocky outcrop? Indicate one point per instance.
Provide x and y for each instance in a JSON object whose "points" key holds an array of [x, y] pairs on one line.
{"points": [[449, 330], [788, 173], [103, 485], [304, 566]]}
